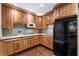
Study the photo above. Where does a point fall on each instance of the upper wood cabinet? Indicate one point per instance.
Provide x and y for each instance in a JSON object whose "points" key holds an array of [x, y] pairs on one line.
{"points": [[17, 16], [12, 16], [24, 18], [70, 9], [40, 22], [37, 22], [7, 17], [4, 17], [64, 10], [52, 20]]}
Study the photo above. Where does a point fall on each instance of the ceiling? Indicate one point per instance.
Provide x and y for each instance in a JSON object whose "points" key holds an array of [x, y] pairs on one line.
{"points": [[37, 8]]}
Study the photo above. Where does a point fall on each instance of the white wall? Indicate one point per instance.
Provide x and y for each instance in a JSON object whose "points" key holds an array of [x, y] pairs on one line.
{"points": [[0, 22]]}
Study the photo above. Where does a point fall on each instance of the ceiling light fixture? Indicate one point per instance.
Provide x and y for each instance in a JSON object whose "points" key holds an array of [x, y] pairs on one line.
{"points": [[15, 4], [41, 5]]}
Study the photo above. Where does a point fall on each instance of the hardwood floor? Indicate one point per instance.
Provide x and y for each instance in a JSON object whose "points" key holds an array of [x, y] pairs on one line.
{"points": [[38, 51]]}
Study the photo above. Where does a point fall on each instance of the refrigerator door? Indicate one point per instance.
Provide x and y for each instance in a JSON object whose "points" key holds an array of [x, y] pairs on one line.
{"points": [[59, 31], [59, 41]]}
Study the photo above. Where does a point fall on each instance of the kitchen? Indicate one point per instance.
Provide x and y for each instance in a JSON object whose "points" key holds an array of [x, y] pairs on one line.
{"points": [[31, 29]]}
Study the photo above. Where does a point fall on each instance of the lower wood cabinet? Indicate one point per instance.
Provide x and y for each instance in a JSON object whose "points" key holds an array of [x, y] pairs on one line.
{"points": [[16, 46], [36, 40], [1, 48], [47, 41], [24, 43], [10, 46], [30, 42]]}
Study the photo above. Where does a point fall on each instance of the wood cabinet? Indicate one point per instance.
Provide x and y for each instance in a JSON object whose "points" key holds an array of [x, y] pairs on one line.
{"points": [[39, 22], [24, 18], [47, 41], [16, 45], [52, 20], [1, 48], [64, 10], [10, 46], [7, 18], [4, 17], [36, 40], [48, 19], [20, 17], [30, 41], [21, 44], [12, 16], [70, 9], [24, 43], [7, 47], [17, 16]]}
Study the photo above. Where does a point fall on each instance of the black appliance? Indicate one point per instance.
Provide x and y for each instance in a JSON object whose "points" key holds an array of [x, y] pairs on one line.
{"points": [[65, 37]]}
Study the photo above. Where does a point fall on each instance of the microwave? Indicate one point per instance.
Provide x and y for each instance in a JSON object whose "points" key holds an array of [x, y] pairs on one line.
{"points": [[31, 25]]}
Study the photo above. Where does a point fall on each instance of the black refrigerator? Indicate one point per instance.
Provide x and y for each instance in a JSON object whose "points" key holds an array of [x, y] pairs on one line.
{"points": [[65, 37]]}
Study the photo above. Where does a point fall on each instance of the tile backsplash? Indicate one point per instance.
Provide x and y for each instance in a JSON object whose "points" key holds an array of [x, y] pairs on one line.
{"points": [[19, 30]]}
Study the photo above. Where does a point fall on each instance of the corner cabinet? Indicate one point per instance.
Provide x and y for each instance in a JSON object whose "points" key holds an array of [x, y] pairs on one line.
{"points": [[47, 41]]}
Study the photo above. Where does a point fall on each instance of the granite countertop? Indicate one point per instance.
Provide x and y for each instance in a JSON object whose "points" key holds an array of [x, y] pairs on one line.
{"points": [[18, 36]]}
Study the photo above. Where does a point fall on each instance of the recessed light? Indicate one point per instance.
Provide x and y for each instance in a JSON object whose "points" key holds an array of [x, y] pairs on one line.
{"points": [[29, 9], [15, 4], [41, 5]]}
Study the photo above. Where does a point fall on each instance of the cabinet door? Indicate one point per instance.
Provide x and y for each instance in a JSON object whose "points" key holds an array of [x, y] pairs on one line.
{"points": [[52, 20], [49, 43], [4, 17], [21, 44], [70, 9], [29, 42], [37, 22], [45, 25], [16, 45], [25, 43], [17, 16], [7, 48], [24, 18], [36, 40], [40, 22], [9, 18], [44, 41], [1, 48]]}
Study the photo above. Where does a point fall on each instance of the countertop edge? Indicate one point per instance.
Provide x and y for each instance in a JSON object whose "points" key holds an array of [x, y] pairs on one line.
{"points": [[19, 36]]}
